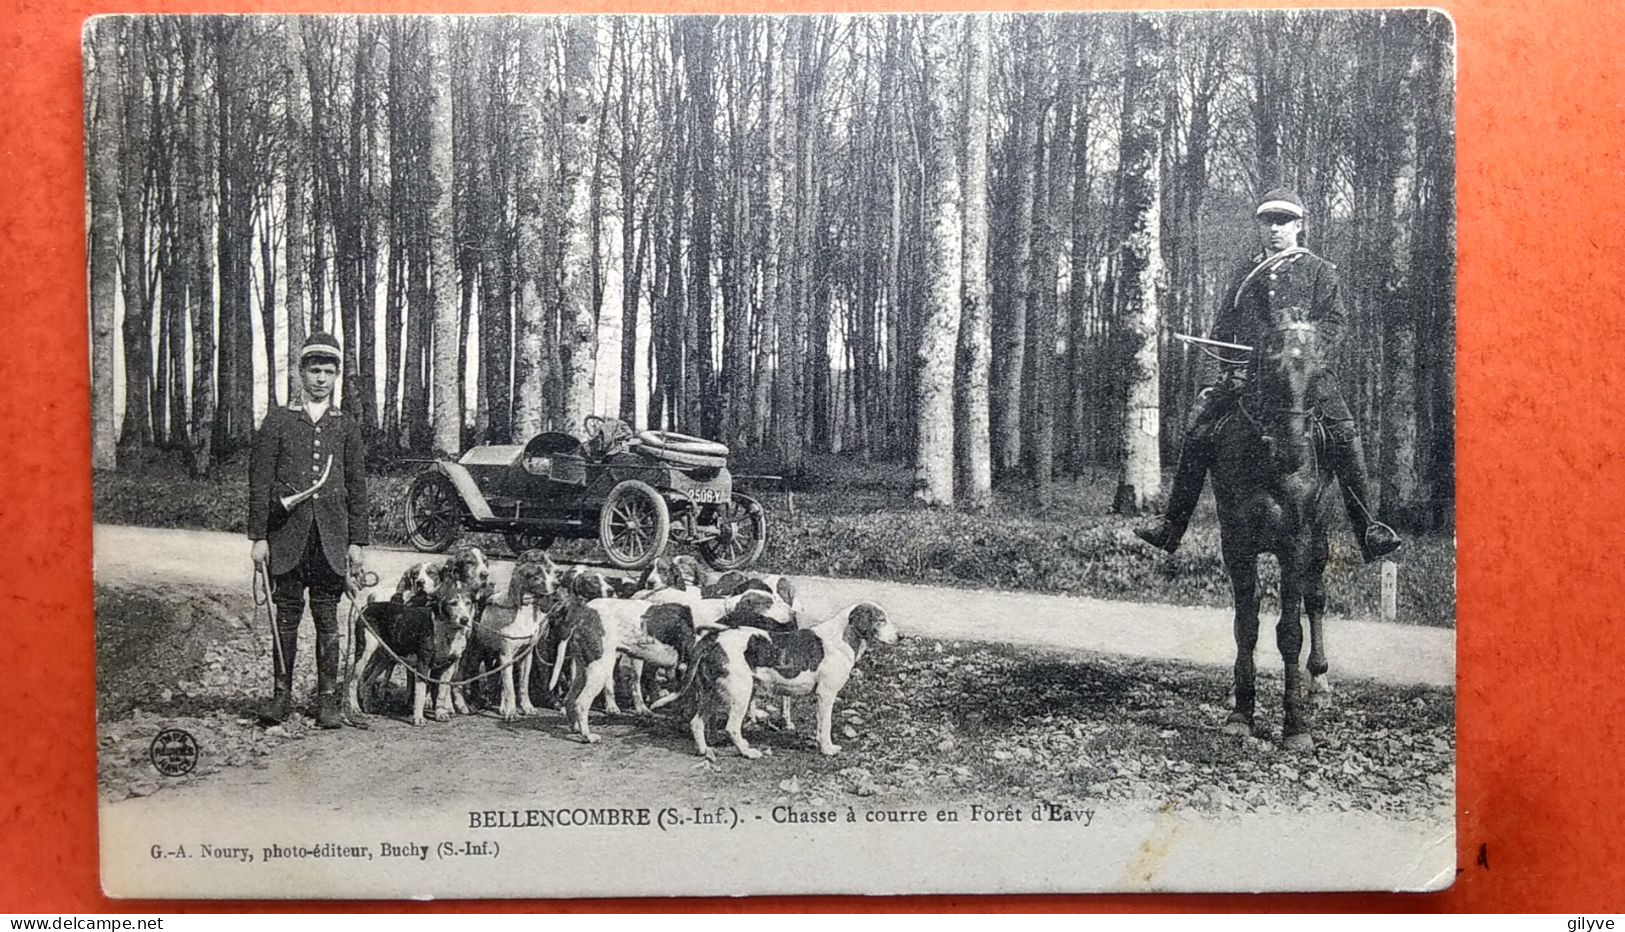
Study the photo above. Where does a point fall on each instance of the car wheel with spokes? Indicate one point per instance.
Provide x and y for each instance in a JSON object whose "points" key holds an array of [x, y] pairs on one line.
{"points": [[741, 534], [434, 512], [634, 524]]}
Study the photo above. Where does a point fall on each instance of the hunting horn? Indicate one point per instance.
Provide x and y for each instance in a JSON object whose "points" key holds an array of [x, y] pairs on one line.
{"points": [[289, 501]]}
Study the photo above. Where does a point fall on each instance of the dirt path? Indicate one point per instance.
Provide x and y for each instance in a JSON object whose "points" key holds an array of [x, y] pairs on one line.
{"points": [[1127, 727], [1387, 653]]}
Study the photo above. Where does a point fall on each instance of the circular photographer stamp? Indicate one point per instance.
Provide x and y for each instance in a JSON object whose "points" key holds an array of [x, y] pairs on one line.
{"points": [[174, 752]]}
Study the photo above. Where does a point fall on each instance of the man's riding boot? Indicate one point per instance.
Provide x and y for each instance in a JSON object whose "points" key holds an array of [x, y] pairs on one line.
{"points": [[1167, 529], [280, 706], [1196, 452], [276, 710], [1347, 456], [328, 712]]}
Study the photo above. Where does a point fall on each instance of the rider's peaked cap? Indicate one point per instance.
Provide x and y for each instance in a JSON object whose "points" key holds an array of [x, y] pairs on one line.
{"points": [[1280, 201], [323, 346]]}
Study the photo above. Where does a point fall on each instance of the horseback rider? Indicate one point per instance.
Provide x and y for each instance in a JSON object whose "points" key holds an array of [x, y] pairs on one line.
{"points": [[1284, 281]]}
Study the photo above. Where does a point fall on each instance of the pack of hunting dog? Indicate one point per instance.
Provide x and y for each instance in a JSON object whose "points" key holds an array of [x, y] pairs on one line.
{"points": [[725, 639], [626, 280]]}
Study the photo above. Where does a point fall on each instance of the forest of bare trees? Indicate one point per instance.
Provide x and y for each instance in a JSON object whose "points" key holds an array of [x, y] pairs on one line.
{"points": [[960, 242]]}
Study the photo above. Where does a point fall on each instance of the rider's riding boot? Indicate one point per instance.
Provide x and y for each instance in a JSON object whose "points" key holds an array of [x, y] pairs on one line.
{"points": [[280, 706], [1196, 452], [328, 712], [1166, 530], [1347, 457]]}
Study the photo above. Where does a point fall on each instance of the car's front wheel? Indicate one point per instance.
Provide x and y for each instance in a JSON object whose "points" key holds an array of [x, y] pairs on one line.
{"points": [[434, 512], [634, 524]]}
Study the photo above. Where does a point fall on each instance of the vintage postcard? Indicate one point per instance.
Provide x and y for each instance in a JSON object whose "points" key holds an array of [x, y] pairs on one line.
{"points": [[863, 454]]}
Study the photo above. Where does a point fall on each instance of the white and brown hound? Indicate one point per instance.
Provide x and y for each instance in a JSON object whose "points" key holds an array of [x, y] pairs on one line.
{"points": [[506, 634], [763, 608], [588, 585], [691, 573], [418, 583], [815, 661], [594, 633], [469, 565], [720, 682]]}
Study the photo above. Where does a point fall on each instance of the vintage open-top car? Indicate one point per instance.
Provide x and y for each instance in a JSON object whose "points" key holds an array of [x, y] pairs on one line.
{"points": [[633, 491]]}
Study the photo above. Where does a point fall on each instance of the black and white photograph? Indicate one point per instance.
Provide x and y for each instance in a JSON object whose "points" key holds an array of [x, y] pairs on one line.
{"points": [[627, 455]]}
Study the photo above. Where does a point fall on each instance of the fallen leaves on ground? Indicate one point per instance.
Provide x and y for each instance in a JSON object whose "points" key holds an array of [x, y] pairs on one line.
{"points": [[923, 722]]}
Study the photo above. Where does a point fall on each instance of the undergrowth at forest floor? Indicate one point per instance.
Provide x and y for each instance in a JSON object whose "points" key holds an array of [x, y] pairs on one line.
{"points": [[845, 517]]}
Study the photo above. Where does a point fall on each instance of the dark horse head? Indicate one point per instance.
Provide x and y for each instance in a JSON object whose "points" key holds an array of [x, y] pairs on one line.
{"points": [[1283, 371], [1269, 487]]}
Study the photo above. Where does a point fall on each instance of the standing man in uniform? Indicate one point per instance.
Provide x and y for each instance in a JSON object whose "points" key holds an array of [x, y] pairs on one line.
{"points": [[1285, 280], [314, 543]]}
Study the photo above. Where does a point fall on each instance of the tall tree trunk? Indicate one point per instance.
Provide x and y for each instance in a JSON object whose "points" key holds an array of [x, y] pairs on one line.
{"points": [[944, 266], [1049, 228], [406, 58], [820, 278], [496, 329], [297, 128], [230, 317], [1435, 274], [777, 280], [530, 409], [176, 362], [235, 417], [400, 165], [578, 315], [533, 169], [975, 330], [200, 221], [132, 190], [765, 402], [448, 407], [1269, 96], [733, 380], [796, 352], [104, 159], [1012, 353], [698, 55], [633, 233], [1399, 489], [1140, 265], [268, 281], [1080, 298], [364, 380], [468, 279]]}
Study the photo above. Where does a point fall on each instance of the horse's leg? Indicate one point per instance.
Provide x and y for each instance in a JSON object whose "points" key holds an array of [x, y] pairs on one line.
{"points": [[1289, 638], [1244, 588], [1314, 605]]}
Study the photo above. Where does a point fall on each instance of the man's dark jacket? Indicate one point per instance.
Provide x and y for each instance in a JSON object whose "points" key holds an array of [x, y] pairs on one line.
{"points": [[290, 451], [1302, 287]]}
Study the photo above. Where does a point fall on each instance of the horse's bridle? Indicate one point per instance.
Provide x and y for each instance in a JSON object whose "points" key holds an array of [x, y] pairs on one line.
{"points": [[1255, 384]]}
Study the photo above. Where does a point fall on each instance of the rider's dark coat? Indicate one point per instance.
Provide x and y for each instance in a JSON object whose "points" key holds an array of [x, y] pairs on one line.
{"points": [[1302, 287], [290, 451]]}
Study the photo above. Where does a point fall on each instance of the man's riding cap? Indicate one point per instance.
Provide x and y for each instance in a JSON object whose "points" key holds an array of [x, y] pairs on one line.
{"points": [[321, 346], [1280, 201]]}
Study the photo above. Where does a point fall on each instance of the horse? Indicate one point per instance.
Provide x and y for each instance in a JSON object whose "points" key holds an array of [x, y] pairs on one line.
{"points": [[1270, 487]]}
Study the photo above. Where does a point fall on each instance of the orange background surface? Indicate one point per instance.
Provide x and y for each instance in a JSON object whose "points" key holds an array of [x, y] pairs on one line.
{"points": [[1541, 111]]}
